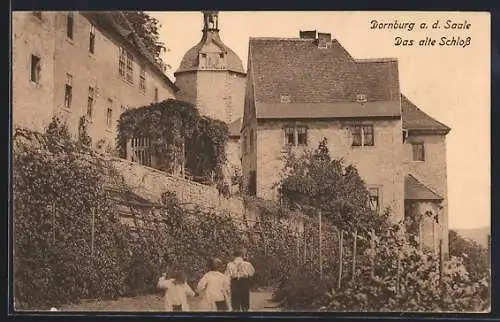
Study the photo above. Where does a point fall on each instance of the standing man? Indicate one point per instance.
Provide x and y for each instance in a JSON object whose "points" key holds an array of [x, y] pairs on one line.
{"points": [[240, 271]]}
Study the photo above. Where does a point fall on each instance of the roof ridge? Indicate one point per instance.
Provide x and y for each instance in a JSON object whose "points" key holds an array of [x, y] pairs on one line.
{"points": [[280, 38], [376, 60]]}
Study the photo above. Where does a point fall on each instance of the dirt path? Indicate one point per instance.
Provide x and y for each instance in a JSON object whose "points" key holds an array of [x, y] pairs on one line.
{"points": [[259, 302]]}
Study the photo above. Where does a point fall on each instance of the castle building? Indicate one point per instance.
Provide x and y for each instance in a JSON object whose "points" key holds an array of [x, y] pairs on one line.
{"points": [[75, 64], [211, 76], [300, 90]]}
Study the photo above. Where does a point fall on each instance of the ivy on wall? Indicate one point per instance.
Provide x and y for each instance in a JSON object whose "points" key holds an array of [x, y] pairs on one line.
{"points": [[171, 124]]}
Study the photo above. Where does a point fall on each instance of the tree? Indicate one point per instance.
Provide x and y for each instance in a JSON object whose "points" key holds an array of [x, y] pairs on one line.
{"points": [[474, 256], [147, 28], [315, 180]]}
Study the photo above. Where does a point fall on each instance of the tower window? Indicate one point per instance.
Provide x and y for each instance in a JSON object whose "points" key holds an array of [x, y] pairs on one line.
{"points": [[69, 25], [35, 69], [418, 151]]}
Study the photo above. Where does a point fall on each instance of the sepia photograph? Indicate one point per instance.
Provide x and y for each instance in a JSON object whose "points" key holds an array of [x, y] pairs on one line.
{"points": [[250, 161]]}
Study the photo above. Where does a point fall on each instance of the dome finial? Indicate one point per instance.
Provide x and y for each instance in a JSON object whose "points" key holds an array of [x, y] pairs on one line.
{"points": [[210, 21]]}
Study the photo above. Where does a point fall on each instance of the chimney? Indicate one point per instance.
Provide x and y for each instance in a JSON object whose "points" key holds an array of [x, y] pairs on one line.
{"points": [[308, 34], [324, 40]]}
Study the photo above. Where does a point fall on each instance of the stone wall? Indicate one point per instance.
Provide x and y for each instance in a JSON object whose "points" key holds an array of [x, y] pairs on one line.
{"points": [[32, 103], [35, 104], [380, 165], [151, 183]]}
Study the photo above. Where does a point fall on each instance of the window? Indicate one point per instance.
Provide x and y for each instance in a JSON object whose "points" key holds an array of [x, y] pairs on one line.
{"points": [[418, 151], [109, 114], [121, 62], [37, 14], [156, 95], [90, 103], [35, 69], [289, 136], [130, 67], [92, 39], [69, 25], [362, 135], [203, 60], [296, 135], [142, 80], [221, 56], [301, 135], [374, 199], [68, 91], [285, 99], [361, 98]]}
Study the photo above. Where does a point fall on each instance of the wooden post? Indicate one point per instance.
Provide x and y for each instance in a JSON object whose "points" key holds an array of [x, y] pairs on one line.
{"points": [[372, 246], [398, 272], [441, 262], [305, 248], [341, 255], [420, 238], [320, 247], [354, 255], [92, 233], [183, 157], [53, 223]]}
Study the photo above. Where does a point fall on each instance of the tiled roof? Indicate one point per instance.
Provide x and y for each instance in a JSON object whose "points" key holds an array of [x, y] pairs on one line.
{"points": [[235, 128], [117, 21], [415, 190], [312, 75], [415, 119], [190, 60]]}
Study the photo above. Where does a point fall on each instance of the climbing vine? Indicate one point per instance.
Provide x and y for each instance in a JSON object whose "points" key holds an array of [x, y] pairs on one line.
{"points": [[171, 127]]}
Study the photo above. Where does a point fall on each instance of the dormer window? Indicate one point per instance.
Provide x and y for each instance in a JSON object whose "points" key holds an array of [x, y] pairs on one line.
{"points": [[221, 55], [203, 60], [361, 98], [285, 99]]}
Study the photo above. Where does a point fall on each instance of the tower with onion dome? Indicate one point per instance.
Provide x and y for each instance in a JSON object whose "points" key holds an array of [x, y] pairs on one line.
{"points": [[211, 75]]}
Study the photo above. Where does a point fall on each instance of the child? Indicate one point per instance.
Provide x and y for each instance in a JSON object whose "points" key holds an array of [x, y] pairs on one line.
{"points": [[216, 287], [176, 292]]}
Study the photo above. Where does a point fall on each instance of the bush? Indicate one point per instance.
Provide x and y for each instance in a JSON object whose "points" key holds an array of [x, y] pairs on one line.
{"points": [[58, 183], [400, 278]]}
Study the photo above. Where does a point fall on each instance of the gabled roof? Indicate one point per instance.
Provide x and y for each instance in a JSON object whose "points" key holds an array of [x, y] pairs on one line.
{"points": [[118, 23], [325, 81], [415, 119], [415, 190]]}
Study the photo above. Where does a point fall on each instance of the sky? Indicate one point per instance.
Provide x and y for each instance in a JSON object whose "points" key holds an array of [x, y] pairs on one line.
{"points": [[451, 84]]}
